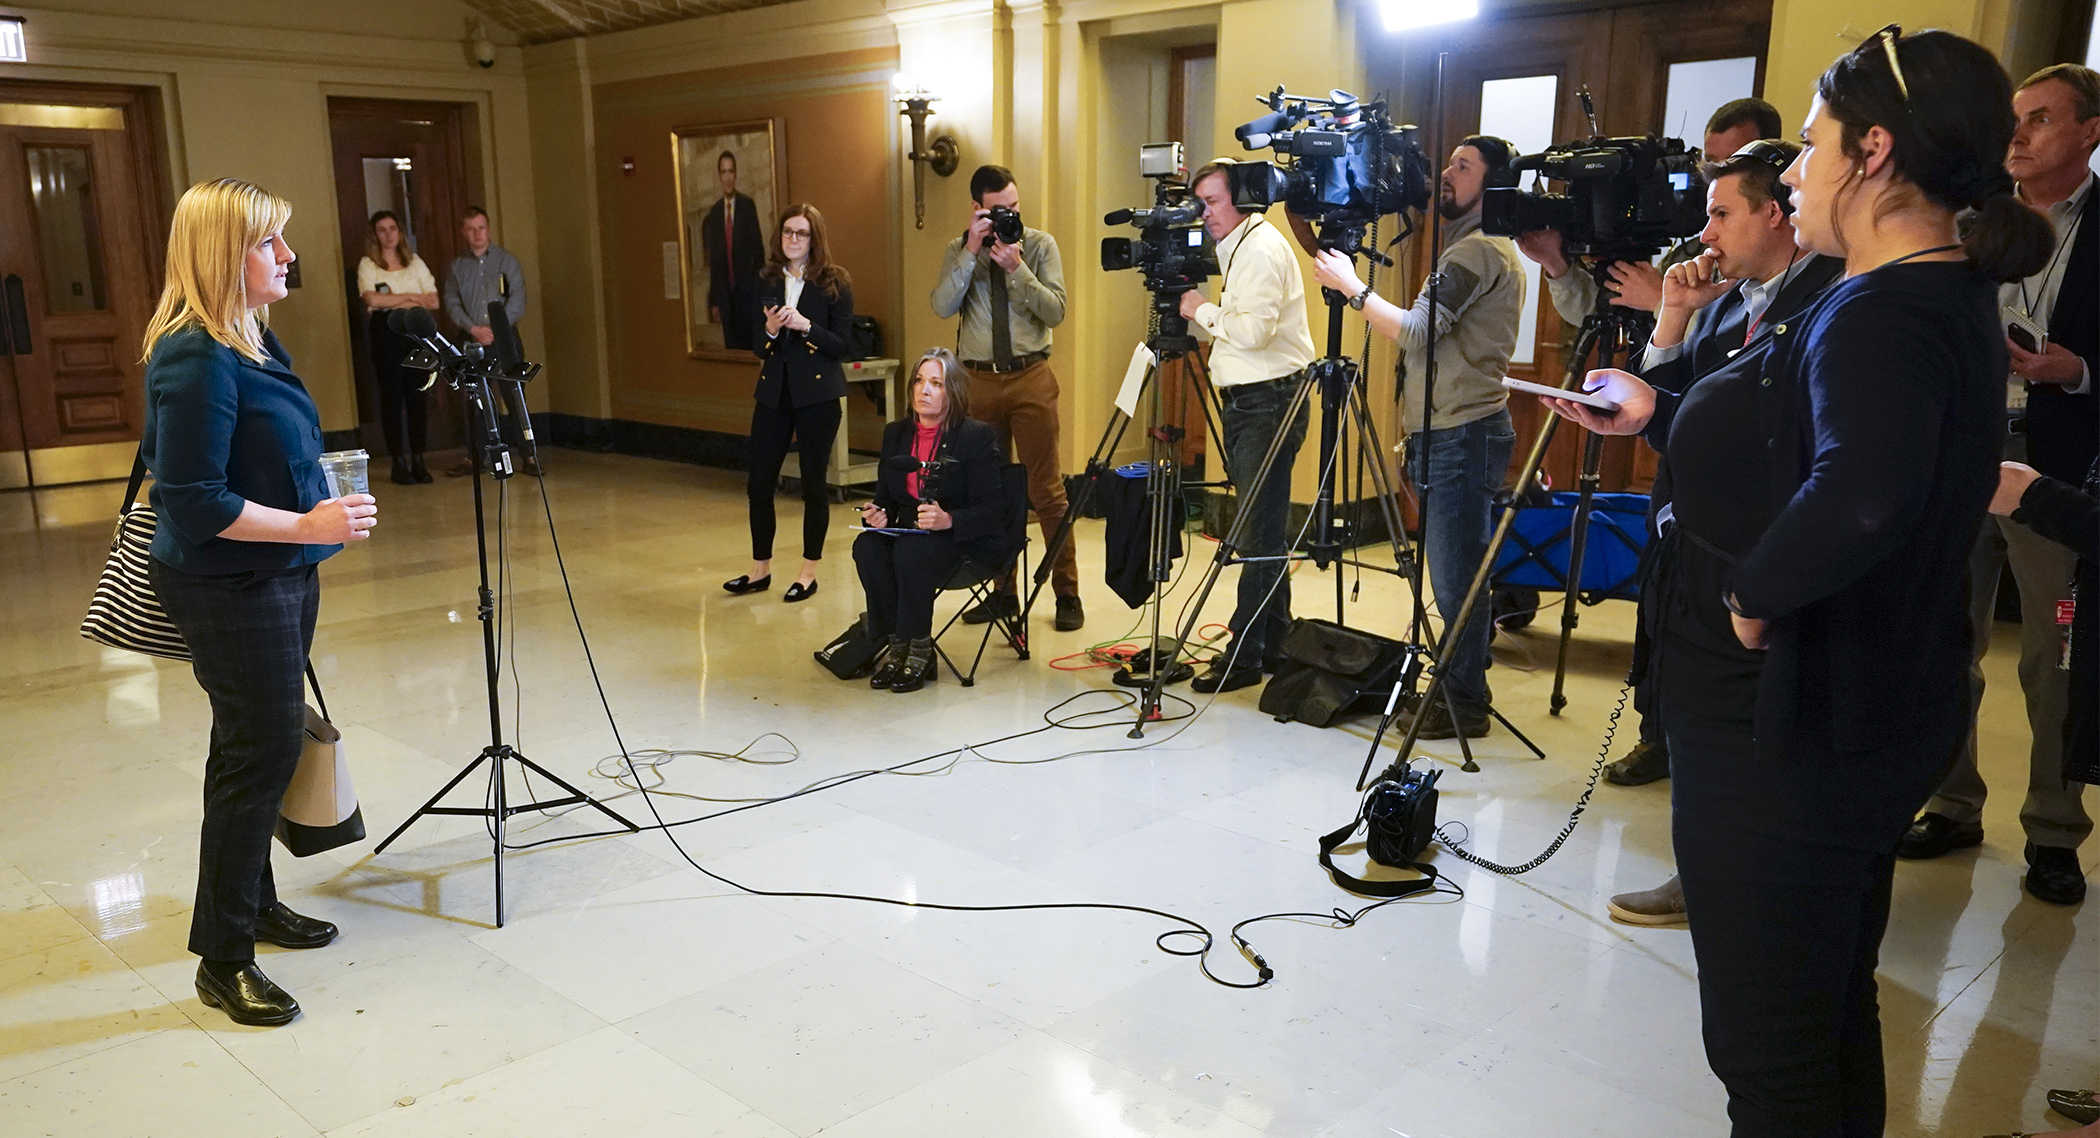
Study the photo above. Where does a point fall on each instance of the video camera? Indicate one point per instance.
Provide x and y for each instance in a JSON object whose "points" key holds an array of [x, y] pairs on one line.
{"points": [[1172, 248], [1349, 164], [1627, 198]]}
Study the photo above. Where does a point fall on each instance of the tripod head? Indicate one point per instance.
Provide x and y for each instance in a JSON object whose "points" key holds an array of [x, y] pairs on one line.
{"points": [[476, 372]]}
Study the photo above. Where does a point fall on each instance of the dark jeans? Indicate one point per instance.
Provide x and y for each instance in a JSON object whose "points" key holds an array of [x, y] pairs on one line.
{"points": [[901, 573], [813, 428], [248, 634], [404, 408], [1466, 466], [1787, 934], [1252, 416]]}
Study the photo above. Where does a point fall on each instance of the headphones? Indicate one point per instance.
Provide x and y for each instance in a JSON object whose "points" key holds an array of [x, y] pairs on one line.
{"points": [[1500, 175], [1778, 155]]}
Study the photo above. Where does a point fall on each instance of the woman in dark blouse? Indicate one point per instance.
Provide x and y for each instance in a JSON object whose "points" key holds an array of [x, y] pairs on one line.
{"points": [[804, 339], [951, 514], [1825, 500], [243, 518]]}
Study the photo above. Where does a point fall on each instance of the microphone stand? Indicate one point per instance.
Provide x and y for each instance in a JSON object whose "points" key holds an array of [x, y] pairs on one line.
{"points": [[471, 378]]}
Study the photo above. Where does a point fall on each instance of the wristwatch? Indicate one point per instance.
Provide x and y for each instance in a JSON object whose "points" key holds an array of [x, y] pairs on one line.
{"points": [[1357, 301]]}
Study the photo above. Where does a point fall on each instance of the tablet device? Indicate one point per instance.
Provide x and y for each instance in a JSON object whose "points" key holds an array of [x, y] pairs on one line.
{"points": [[1583, 397]]}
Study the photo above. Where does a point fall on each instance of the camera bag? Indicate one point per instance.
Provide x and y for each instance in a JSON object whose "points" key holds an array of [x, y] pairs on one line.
{"points": [[1329, 670], [1398, 816], [865, 333], [851, 653]]}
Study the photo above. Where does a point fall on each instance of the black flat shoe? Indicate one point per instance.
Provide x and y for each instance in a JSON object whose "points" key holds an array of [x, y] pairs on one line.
{"points": [[799, 592], [247, 996], [1216, 678], [280, 926], [888, 663], [1936, 835], [402, 475], [920, 665], [2078, 1106], [992, 608], [2053, 875], [420, 471], [744, 584]]}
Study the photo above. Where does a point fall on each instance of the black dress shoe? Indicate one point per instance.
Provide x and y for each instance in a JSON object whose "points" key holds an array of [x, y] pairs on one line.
{"points": [[1936, 835], [2078, 1106], [246, 995], [2053, 875], [1436, 723], [888, 663], [1646, 763], [416, 467], [799, 592], [743, 583], [402, 475], [1216, 678], [286, 929], [1071, 615], [920, 665], [992, 608]]}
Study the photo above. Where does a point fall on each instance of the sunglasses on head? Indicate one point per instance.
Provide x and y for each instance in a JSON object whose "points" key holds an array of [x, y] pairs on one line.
{"points": [[1887, 38]]}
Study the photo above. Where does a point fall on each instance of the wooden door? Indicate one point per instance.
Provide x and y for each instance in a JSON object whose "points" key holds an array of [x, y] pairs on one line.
{"points": [[412, 158], [80, 236]]}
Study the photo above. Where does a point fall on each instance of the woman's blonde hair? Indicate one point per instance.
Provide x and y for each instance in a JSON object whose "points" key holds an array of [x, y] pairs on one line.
{"points": [[216, 224]]}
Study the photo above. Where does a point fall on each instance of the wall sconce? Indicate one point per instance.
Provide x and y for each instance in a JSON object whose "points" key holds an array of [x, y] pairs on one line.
{"points": [[915, 102]]}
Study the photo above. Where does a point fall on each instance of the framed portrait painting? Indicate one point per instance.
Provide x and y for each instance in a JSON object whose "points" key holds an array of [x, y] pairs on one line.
{"points": [[729, 190]]}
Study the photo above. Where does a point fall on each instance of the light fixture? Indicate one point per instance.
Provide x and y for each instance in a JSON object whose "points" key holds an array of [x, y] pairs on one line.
{"points": [[915, 102], [1402, 15], [479, 43], [14, 46]]}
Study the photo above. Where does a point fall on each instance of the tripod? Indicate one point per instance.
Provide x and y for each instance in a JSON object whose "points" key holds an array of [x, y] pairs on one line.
{"points": [[492, 455], [1169, 341], [1607, 332]]}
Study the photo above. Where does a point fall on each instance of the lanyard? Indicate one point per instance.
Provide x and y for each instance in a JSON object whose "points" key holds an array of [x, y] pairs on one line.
{"points": [[2063, 243]]}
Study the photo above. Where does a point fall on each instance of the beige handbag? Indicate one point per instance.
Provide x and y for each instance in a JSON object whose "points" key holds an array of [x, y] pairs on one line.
{"points": [[320, 809]]}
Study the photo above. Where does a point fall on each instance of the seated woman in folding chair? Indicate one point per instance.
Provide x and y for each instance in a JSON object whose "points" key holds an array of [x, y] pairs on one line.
{"points": [[940, 487]]}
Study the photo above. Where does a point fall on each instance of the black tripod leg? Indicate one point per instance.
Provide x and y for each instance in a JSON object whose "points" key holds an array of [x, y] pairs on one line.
{"points": [[500, 815], [1578, 548], [430, 805], [579, 795]]}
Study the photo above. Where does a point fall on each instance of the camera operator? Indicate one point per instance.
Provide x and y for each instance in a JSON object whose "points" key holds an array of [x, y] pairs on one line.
{"points": [[1261, 344], [1833, 537], [1752, 277], [1461, 457], [956, 517], [2050, 424], [1010, 290], [1639, 285]]}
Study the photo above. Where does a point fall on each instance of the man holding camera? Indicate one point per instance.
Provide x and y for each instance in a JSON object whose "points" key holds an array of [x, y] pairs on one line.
{"points": [[1008, 283], [1750, 278], [1261, 344], [1459, 458], [1639, 286], [2052, 322]]}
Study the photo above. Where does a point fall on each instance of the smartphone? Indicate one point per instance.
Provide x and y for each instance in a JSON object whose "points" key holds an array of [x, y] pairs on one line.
{"points": [[2021, 329]]}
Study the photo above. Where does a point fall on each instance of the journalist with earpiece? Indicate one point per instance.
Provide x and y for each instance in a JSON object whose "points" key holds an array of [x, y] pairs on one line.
{"points": [[1848, 569]]}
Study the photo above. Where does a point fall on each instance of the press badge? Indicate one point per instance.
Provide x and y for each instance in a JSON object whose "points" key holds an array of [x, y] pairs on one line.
{"points": [[2065, 611]]}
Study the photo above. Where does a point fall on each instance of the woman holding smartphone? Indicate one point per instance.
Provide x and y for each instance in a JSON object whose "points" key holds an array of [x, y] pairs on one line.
{"points": [[1815, 652]]}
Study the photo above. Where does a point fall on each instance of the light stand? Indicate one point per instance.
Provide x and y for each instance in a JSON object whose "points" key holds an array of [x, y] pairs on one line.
{"points": [[491, 454]]}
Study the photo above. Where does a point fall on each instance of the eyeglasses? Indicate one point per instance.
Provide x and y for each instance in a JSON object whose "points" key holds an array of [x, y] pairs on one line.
{"points": [[801, 233], [1888, 37]]}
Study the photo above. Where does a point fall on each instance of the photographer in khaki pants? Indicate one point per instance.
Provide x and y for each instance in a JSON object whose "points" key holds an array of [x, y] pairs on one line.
{"points": [[1010, 294]]}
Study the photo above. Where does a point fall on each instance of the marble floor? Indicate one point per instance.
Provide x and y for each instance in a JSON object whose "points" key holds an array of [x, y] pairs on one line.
{"points": [[632, 994]]}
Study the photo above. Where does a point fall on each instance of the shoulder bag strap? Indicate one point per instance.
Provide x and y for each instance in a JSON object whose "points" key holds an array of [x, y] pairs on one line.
{"points": [[1371, 888], [138, 478], [316, 682]]}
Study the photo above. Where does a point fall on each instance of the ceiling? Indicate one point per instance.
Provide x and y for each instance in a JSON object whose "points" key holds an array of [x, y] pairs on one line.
{"points": [[538, 21]]}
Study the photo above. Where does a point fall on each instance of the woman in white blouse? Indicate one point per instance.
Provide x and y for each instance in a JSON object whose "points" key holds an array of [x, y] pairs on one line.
{"points": [[391, 276]]}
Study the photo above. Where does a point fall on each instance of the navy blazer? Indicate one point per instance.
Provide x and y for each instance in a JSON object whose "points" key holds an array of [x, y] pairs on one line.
{"points": [[810, 363], [222, 431], [2063, 430], [968, 489], [1723, 324]]}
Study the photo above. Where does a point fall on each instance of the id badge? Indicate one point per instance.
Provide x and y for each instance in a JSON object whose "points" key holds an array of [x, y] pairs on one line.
{"points": [[2066, 610]]}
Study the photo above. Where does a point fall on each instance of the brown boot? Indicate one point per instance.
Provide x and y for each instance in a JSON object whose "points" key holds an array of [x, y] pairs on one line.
{"points": [[1662, 905]]}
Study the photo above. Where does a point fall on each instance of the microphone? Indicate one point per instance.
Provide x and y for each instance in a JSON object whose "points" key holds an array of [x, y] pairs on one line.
{"points": [[504, 344], [419, 324], [905, 462], [1119, 217]]}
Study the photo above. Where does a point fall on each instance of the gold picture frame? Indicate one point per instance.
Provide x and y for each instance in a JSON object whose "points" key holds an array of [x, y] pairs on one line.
{"points": [[722, 306]]}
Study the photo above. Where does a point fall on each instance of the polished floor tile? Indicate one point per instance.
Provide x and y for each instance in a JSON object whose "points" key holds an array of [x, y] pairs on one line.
{"points": [[630, 992]]}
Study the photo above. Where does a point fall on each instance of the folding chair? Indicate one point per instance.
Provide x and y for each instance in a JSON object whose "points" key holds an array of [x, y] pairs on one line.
{"points": [[978, 580]]}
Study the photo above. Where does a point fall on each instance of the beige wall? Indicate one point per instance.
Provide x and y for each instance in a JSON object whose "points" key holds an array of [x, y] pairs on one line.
{"points": [[1808, 35], [245, 84]]}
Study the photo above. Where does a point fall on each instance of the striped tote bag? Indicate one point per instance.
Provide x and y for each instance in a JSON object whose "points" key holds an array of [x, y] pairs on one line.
{"points": [[124, 612]]}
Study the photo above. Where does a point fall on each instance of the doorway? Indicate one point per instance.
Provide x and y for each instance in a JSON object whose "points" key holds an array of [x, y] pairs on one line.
{"points": [[83, 221], [415, 159]]}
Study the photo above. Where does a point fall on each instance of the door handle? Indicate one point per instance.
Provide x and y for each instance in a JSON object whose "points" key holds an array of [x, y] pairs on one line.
{"points": [[18, 314]]}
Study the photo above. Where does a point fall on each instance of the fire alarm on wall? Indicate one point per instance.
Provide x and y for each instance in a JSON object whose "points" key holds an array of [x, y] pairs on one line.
{"points": [[627, 166]]}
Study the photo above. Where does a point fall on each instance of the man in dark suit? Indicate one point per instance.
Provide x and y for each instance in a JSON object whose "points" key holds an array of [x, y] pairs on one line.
{"points": [[736, 251], [2051, 425], [1749, 277]]}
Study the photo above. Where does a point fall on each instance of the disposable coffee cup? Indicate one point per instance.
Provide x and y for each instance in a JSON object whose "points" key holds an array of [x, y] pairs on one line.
{"points": [[345, 471]]}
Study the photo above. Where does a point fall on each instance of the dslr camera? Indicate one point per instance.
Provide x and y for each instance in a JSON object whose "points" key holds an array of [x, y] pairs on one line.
{"points": [[1627, 199], [1006, 225], [1347, 164], [1172, 249]]}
